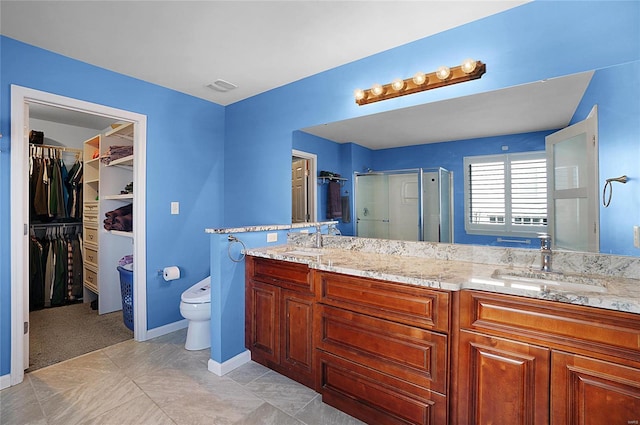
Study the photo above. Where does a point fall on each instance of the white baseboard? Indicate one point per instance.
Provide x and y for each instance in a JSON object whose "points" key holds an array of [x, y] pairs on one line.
{"points": [[221, 369], [167, 329], [5, 381]]}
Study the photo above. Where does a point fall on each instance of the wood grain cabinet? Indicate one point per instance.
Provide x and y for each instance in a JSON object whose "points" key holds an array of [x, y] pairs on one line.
{"points": [[382, 349], [279, 317], [527, 361]]}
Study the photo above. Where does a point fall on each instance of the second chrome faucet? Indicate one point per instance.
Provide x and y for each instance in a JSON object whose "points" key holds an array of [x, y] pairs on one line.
{"points": [[545, 252]]}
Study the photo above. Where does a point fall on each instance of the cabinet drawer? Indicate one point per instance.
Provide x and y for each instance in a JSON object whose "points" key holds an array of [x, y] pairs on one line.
{"points": [[91, 279], [91, 255], [377, 398], [90, 208], [90, 219], [407, 352], [282, 273], [91, 235], [413, 305], [557, 324]]}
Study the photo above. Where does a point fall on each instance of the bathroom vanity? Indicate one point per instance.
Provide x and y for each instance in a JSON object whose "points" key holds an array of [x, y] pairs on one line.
{"points": [[406, 339]]}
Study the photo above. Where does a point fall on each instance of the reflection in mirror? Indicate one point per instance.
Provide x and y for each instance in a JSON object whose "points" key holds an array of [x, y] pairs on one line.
{"points": [[511, 120], [410, 205]]}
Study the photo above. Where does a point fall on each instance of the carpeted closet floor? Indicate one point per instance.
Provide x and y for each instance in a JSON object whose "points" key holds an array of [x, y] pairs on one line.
{"points": [[62, 333]]}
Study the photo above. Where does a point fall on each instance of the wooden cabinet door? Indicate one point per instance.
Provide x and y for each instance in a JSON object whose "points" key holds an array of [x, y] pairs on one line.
{"points": [[297, 336], [502, 381], [262, 335], [587, 391]]}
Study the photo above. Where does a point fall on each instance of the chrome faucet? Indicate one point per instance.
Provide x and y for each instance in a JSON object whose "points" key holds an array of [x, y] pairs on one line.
{"points": [[318, 235], [545, 252]]}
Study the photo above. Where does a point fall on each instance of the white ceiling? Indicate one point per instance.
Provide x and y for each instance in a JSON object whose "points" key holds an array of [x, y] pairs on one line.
{"points": [[261, 45], [539, 106], [257, 45]]}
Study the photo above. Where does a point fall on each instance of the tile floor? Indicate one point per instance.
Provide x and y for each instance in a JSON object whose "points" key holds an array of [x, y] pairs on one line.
{"points": [[158, 382]]}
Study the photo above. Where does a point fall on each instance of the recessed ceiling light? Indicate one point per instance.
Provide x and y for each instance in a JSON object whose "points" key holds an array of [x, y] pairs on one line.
{"points": [[222, 85]]}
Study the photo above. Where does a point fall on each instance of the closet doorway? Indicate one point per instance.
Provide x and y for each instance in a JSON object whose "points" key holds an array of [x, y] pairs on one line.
{"points": [[64, 110]]}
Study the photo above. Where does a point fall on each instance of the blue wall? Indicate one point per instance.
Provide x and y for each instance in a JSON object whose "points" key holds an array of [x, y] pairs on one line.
{"points": [[532, 42], [616, 92], [185, 154]]}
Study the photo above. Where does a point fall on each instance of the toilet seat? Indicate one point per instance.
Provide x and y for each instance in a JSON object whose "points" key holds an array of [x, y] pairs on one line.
{"points": [[199, 293]]}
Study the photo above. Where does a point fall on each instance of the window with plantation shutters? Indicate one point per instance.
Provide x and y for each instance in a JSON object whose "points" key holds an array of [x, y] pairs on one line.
{"points": [[506, 194]]}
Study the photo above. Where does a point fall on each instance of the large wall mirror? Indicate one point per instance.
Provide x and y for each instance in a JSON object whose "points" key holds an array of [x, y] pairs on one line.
{"points": [[440, 135]]}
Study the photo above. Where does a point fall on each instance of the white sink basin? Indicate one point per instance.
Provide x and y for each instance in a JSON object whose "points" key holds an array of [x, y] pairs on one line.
{"points": [[552, 281]]}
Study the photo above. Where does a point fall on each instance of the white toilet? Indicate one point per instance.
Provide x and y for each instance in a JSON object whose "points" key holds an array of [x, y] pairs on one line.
{"points": [[196, 307]]}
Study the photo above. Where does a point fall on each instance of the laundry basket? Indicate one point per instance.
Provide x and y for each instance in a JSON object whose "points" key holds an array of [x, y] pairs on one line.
{"points": [[126, 288]]}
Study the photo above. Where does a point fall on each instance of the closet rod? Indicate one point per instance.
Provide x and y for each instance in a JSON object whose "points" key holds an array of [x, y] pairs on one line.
{"points": [[61, 148], [47, 225]]}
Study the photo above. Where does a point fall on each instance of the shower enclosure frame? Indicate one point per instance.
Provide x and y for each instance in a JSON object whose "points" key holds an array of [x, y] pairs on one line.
{"points": [[420, 174]]}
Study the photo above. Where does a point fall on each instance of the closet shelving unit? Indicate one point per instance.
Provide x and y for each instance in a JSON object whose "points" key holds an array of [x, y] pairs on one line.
{"points": [[104, 195], [90, 193]]}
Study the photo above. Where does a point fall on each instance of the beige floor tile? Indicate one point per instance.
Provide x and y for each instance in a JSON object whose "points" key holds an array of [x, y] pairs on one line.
{"points": [[248, 372], [19, 405], [158, 382], [49, 381], [282, 392], [318, 412], [140, 410], [90, 399], [198, 399], [266, 414]]}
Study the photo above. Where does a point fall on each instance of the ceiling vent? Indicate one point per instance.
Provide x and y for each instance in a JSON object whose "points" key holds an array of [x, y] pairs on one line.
{"points": [[222, 85]]}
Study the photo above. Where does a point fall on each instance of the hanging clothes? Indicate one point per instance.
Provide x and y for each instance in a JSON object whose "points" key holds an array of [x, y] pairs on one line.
{"points": [[55, 193], [55, 266]]}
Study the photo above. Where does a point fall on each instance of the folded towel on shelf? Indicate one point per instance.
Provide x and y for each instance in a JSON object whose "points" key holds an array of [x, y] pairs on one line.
{"points": [[334, 204], [116, 152], [120, 219]]}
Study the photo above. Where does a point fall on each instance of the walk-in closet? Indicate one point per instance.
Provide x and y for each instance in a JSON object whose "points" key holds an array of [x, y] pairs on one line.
{"points": [[64, 308]]}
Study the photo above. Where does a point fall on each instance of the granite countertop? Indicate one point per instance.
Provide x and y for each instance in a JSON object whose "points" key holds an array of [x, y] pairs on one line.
{"points": [[608, 292]]}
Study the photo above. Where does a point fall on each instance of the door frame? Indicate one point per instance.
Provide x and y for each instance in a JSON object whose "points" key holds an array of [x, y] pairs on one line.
{"points": [[312, 181], [19, 184]]}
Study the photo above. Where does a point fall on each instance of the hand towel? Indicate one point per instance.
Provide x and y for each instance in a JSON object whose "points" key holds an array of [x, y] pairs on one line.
{"points": [[334, 205]]}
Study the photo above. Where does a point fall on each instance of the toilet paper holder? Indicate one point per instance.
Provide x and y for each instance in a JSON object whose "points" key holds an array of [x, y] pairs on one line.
{"points": [[170, 273]]}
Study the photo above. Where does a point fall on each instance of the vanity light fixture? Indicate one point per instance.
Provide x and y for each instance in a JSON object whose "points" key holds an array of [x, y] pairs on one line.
{"points": [[470, 69]]}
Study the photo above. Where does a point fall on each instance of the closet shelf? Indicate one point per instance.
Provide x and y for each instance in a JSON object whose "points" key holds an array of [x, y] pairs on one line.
{"points": [[126, 161], [125, 196], [121, 233], [123, 130]]}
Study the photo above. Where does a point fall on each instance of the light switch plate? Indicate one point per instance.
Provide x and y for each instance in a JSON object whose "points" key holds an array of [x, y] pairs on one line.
{"points": [[636, 236], [175, 208], [272, 237]]}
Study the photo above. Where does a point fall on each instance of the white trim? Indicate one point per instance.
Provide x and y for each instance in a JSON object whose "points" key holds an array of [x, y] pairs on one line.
{"points": [[167, 329], [313, 183], [20, 211], [5, 381], [221, 369]]}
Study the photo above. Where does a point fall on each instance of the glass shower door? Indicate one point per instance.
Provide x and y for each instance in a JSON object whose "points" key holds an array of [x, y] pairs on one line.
{"points": [[372, 206]]}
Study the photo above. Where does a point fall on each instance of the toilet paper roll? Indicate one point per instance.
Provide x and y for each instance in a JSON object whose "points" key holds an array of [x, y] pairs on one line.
{"points": [[171, 273]]}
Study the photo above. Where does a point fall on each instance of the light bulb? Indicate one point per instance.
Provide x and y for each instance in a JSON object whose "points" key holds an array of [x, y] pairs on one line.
{"points": [[377, 89], [419, 78], [443, 72], [358, 94], [468, 66], [397, 84]]}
